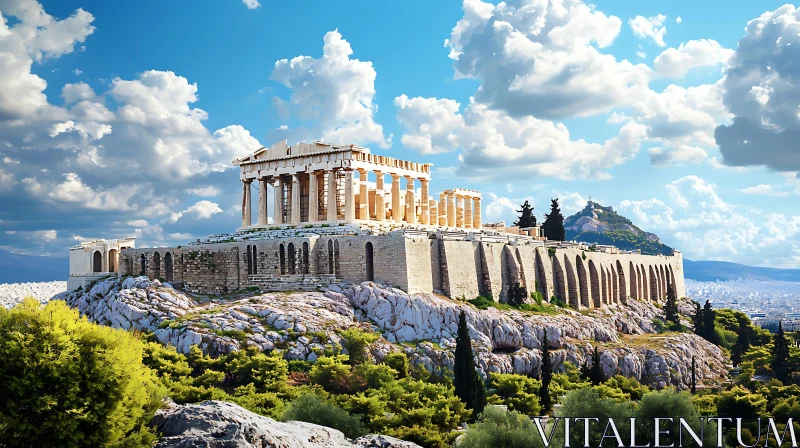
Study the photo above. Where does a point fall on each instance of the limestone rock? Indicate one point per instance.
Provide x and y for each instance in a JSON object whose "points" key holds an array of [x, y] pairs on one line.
{"points": [[217, 424], [424, 326]]}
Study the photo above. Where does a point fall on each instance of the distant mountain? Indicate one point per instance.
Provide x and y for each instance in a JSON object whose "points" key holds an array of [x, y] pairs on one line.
{"points": [[709, 271], [16, 268], [602, 225]]}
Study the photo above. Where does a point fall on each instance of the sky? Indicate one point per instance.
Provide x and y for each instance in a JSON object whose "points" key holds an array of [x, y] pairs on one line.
{"points": [[121, 119]]}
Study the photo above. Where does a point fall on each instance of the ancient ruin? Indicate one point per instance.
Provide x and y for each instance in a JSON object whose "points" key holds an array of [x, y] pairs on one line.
{"points": [[330, 226], [92, 260]]}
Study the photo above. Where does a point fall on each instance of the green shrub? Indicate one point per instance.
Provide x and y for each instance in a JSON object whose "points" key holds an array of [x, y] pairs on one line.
{"points": [[518, 392], [313, 409], [423, 436], [66, 382], [356, 342], [500, 428], [482, 303], [399, 362]]}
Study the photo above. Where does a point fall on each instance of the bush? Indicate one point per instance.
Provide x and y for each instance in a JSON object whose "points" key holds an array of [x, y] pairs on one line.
{"points": [[518, 392], [399, 362], [427, 437], [314, 409], [482, 303], [499, 428], [357, 342], [66, 382]]}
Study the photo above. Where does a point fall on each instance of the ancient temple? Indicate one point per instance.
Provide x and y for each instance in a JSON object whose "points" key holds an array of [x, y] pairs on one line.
{"points": [[324, 183]]}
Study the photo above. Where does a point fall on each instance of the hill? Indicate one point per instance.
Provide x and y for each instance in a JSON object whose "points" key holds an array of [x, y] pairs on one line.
{"points": [[602, 225], [710, 271], [17, 268]]}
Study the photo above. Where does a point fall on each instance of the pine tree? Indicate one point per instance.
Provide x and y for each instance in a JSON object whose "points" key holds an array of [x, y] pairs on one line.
{"points": [[780, 355], [553, 225], [526, 217], [547, 376], [467, 382], [709, 323], [671, 308], [694, 381]]}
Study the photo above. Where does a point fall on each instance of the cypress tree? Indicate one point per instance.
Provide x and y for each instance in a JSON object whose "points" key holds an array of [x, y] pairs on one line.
{"points": [[742, 342], [709, 330], [596, 372], [467, 382], [780, 355], [547, 376], [697, 320], [694, 381], [553, 225], [526, 217], [671, 307]]}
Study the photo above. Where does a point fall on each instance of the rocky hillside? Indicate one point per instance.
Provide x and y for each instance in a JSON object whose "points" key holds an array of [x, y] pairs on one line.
{"points": [[602, 225], [423, 326]]}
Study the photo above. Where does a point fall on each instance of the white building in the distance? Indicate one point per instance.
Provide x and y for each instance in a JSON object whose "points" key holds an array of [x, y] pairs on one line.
{"points": [[91, 260]]}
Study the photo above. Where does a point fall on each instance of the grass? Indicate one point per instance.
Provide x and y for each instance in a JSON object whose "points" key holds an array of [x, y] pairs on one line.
{"points": [[483, 303]]}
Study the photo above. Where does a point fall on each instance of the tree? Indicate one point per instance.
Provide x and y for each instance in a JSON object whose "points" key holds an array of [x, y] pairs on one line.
{"points": [[671, 308], [694, 380], [67, 382], [356, 342], [516, 295], [526, 217], [592, 371], [780, 356], [553, 225], [697, 320], [547, 376], [467, 382], [742, 342], [709, 324]]}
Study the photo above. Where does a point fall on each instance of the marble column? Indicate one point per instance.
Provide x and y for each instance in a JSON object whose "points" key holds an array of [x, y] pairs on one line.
{"points": [[380, 205], [349, 197], [397, 215], [423, 201], [468, 212], [333, 212], [476, 213], [363, 195], [451, 209], [313, 197], [247, 220], [459, 211], [295, 198], [262, 201], [442, 209], [411, 213], [433, 209], [277, 195]]}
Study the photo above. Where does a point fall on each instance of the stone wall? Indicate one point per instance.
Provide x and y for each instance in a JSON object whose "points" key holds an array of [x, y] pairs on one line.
{"points": [[459, 267]]}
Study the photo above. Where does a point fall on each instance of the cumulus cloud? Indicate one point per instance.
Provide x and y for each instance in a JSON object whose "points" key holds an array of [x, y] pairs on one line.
{"points": [[677, 155], [542, 58], [764, 189], [650, 27], [209, 191], [495, 145], [334, 92], [763, 92], [74, 190], [704, 226], [251, 4], [677, 62], [201, 210]]}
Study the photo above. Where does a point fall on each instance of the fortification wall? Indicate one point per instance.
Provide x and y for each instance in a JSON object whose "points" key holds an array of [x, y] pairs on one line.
{"points": [[458, 268]]}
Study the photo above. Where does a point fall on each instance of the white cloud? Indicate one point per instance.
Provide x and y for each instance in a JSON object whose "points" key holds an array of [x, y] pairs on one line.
{"points": [[209, 191], [542, 59], [678, 20], [73, 190], [138, 223], [652, 27], [677, 62], [764, 189], [201, 210], [251, 4], [495, 145], [677, 155], [334, 92]]}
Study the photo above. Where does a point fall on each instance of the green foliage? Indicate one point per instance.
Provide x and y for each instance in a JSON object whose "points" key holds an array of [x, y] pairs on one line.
{"points": [[546, 375], [399, 362], [670, 404], [518, 392], [482, 303], [671, 308], [516, 295], [468, 384], [592, 371], [739, 402], [623, 239], [526, 218], [704, 322], [502, 429], [780, 356], [589, 403], [356, 342], [314, 409], [424, 436], [551, 251], [66, 382], [628, 386]]}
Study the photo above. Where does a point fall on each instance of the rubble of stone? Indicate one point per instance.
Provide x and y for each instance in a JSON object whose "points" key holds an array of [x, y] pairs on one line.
{"points": [[217, 424], [424, 326], [13, 293]]}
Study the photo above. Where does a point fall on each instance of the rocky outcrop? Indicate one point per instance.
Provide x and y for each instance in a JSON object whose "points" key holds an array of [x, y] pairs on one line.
{"points": [[217, 424], [423, 326]]}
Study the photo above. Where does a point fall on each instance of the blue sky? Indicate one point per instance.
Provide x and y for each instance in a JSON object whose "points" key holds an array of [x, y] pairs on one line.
{"points": [[121, 118]]}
